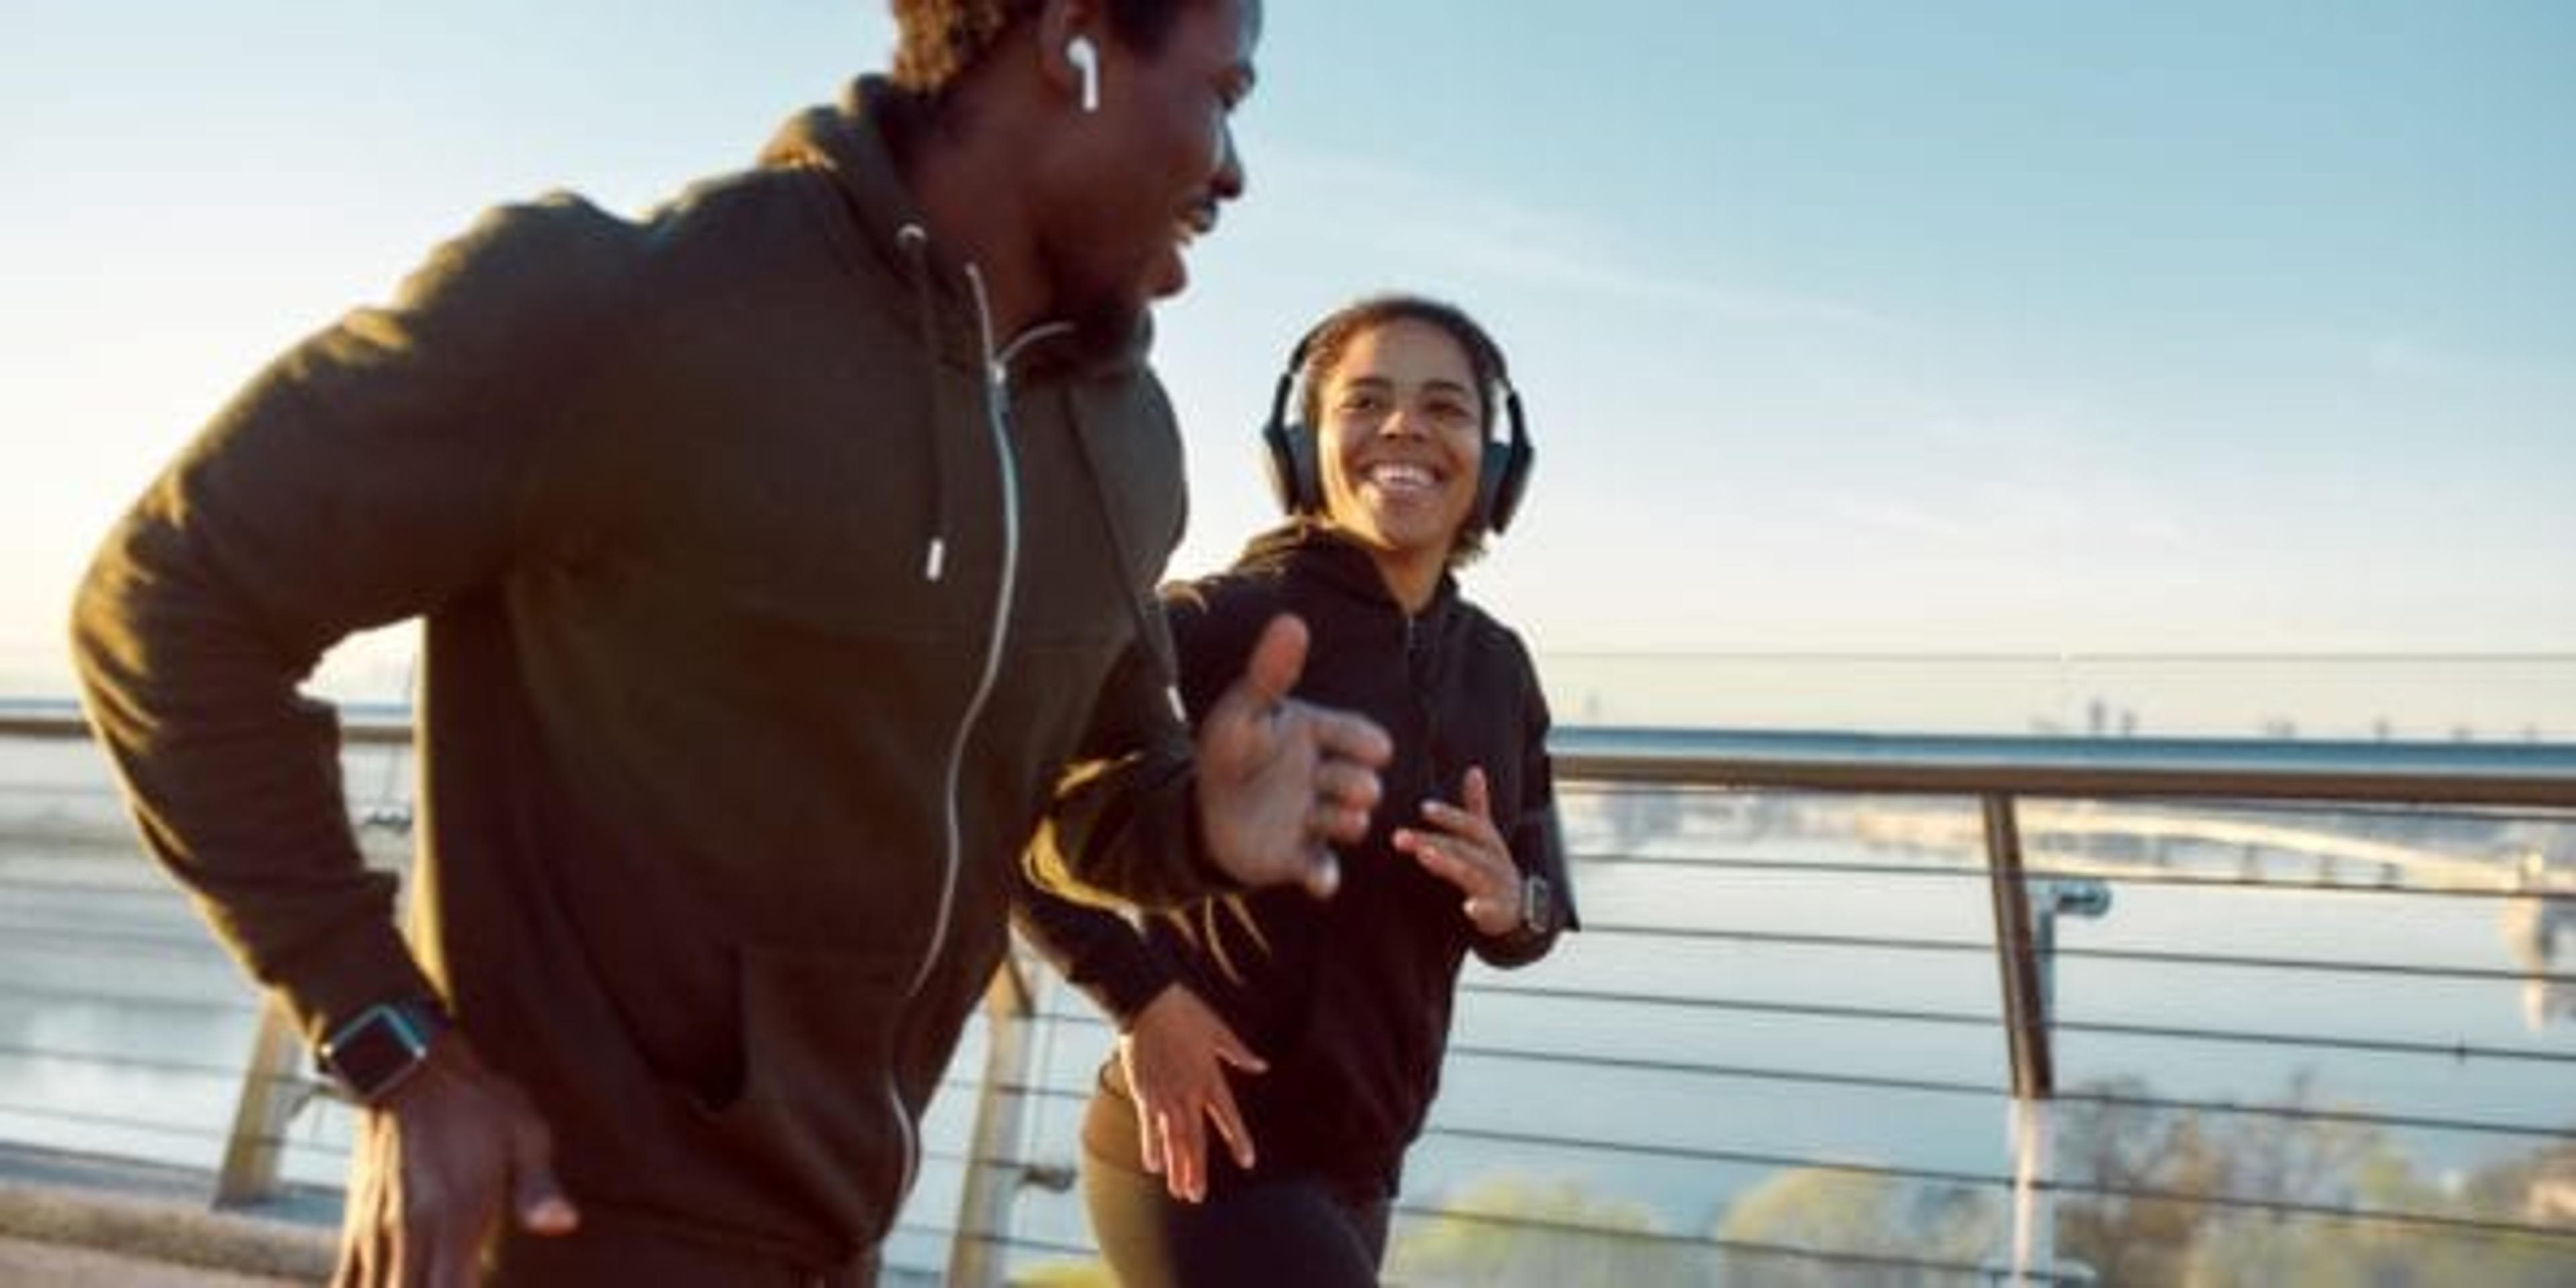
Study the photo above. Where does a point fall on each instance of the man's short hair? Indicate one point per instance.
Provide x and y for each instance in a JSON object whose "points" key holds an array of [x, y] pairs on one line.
{"points": [[940, 40]]}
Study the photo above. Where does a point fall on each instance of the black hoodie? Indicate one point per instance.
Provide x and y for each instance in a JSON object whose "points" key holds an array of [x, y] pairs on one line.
{"points": [[769, 609], [1347, 998]]}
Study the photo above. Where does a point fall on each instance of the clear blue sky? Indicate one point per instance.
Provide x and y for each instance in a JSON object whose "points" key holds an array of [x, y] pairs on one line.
{"points": [[1870, 325]]}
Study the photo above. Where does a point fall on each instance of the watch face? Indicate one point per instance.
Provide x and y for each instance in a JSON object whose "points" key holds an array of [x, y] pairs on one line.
{"points": [[1536, 915], [375, 1051]]}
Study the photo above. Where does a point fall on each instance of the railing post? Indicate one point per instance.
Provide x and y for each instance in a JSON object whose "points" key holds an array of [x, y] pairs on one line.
{"points": [[272, 1090], [2034, 1218], [992, 1176], [2016, 949]]}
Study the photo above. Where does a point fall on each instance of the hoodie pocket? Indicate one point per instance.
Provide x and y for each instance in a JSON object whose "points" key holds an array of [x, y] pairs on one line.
{"points": [[817, 1109]]}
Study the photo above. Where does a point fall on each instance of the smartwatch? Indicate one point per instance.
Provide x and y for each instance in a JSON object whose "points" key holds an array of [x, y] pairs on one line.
{"points": [[382, 1047], [1538, 910]]}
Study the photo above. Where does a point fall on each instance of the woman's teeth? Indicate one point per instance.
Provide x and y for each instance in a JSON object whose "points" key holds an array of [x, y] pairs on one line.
{"points": [[1395, 477]]}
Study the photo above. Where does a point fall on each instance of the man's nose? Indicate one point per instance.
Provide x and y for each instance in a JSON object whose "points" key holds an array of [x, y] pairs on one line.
{"points": [[1229, 181]]}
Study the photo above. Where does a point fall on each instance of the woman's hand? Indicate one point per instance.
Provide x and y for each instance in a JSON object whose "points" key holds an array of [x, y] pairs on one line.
{"points": [[1467, 851], [1174, 1055]]}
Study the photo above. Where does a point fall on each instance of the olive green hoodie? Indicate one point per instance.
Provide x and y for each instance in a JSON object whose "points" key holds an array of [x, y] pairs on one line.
{"points": [[771, 604]]}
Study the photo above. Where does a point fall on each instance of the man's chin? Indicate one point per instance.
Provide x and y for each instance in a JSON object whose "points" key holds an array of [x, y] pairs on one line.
{"points": [[1107, 327], [1170, 276]]}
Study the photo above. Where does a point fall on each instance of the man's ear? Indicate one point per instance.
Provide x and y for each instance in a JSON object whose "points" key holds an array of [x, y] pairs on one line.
{"points": [[1070, 34]]}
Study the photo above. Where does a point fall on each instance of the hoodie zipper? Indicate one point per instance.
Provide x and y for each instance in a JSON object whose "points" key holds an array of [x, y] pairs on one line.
{"points": [[997, 373]]}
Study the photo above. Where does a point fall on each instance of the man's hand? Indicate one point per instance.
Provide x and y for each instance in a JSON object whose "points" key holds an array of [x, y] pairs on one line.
{"points": [[1279, 780], [1468, 852], [439, 1163], [1174, 1056]]}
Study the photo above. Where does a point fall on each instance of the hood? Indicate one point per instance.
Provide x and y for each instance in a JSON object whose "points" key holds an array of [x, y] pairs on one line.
{"points": [[859, 142], [1325, 553]]}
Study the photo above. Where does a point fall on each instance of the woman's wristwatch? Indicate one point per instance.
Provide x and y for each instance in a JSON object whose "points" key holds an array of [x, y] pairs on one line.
{"points": [[1538, 906]]}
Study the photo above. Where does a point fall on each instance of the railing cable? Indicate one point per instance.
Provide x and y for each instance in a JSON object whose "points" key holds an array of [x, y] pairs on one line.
{"points": [[1899, 943]]}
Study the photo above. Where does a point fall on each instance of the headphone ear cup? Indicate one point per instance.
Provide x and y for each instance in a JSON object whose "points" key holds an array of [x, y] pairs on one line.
{"points": [[1503, 475], [1309, 471], [1294, 477], [1280, 457]]}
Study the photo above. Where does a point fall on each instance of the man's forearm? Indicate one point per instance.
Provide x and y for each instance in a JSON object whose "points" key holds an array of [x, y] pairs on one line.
{"points": [[233, 777]]}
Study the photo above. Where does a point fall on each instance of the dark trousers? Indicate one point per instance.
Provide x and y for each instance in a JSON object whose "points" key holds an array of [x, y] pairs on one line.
{"points": [[612, 1250], [1284, 1230]]}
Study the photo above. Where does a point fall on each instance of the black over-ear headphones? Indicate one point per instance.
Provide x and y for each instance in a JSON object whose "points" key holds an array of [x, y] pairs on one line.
{"points": [[1297, 480]]}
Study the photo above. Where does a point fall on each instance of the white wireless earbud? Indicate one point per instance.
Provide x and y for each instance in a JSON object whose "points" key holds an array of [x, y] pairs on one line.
{"points": [[1086, 58]]}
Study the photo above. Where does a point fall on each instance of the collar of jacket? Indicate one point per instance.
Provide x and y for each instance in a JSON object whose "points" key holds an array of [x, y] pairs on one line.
{"points": [[889, 248], [854, 142], [1318, 550]]}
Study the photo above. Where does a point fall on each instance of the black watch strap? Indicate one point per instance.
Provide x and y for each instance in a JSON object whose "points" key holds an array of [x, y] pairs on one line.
{"points": [[381, 1047]]}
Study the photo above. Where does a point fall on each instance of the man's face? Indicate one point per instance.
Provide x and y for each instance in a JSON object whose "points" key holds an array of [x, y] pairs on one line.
{"points": [[1146, 173]]}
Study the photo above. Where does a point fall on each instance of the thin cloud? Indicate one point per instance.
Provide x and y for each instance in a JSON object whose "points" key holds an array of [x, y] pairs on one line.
{"points": [[2411, 358], [1428, 220], [2039, 510], [1878, 514]]}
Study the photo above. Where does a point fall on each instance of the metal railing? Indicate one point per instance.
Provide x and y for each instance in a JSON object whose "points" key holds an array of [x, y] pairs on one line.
{"points": [[2003, 774], [2034, 822], [1711, 1019]]}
